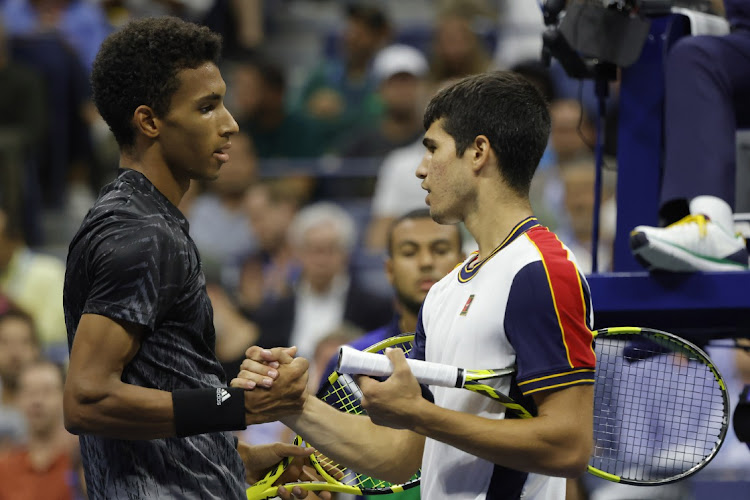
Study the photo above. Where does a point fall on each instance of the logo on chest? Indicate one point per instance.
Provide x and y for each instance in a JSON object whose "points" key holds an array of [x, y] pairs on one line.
{"points": [[465, 310]]}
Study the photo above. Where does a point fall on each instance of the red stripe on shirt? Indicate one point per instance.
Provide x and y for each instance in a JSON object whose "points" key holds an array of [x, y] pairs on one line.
{"points": [[567, 294]]}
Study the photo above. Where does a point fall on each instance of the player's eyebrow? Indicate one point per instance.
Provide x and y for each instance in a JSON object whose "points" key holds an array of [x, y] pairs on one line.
{"points": [[213, 96], [429, 143]]}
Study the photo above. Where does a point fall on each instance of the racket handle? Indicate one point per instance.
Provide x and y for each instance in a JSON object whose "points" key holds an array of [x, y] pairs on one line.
{"points": [[356, 362]]}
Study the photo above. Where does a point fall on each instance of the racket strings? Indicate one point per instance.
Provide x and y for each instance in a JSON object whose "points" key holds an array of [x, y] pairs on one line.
{"points": [[344, 394], [659, 414]]}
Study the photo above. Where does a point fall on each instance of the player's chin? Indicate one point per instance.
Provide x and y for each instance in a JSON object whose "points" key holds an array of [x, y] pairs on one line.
{"points": [[442, 216]]}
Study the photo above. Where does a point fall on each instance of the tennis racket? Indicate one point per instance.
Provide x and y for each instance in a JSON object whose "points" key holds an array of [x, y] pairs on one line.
{"points": [[341, 392], [661, 408]]}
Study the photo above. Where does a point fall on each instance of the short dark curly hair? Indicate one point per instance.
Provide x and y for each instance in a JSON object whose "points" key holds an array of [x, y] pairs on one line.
{"points": [[138, 65]]}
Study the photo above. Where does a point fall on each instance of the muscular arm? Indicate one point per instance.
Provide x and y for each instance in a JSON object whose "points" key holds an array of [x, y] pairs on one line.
{"points": [[391, 454], [97, 401], [557, 442]]}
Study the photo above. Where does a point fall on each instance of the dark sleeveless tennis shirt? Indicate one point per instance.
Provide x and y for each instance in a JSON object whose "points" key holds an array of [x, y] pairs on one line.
{"points": [[132, 260]]}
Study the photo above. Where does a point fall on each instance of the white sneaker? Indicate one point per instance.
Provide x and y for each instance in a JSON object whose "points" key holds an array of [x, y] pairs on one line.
{"points": [[699, 242]]}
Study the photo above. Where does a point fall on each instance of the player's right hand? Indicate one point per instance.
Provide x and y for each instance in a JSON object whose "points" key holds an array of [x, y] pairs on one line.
{"points": [[261, 366], [286, 396]]}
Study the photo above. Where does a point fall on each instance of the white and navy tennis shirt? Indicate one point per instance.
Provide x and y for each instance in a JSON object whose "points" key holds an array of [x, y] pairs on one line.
{"points": [[525, 304]]}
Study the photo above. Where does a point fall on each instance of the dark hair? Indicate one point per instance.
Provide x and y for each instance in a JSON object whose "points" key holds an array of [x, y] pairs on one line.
{"points": [[138, 65], [419, 213], [504, 107], [15, 313], [368, 14], [271, 73]]}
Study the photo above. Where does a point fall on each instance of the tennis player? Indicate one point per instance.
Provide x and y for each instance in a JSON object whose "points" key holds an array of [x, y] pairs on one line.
{"points": [[145, 390], [520, 299]]}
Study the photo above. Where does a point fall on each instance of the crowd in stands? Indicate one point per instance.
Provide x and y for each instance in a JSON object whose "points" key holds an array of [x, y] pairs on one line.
{"points": [[295, 232]]}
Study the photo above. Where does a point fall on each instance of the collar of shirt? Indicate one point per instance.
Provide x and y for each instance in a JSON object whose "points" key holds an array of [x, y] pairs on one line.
{"points": [[142, 184]]}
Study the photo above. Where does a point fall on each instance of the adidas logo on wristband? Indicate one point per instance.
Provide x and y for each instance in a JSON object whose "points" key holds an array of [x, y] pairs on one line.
{"points": [[221, 395]]}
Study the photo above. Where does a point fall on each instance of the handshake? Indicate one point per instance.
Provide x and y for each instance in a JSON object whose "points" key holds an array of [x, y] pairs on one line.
{"points": [[275, 383]]}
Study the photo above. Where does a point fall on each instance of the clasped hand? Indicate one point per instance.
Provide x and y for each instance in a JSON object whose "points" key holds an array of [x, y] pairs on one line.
{"points": [[390, 403], [274, 388]]}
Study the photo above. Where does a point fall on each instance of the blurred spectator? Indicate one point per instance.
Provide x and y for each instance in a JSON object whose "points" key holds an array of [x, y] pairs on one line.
{"points": [[21, 131], [19, 346], [33, 281], [20, 84], [520, 27], [83, 25], [268, 273], [578, 183], [327, 349], [264, 275], [68, 116], [399, 71], [457, 49], [45, 467], [258, 92], [397, 191], [572, 134], [340, 94], [218, 222], [539, 75], [123, 10], [234, 332], [322, 237]]}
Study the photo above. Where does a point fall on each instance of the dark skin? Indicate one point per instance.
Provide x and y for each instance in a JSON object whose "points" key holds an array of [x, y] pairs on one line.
{"points": [[189, 142]]}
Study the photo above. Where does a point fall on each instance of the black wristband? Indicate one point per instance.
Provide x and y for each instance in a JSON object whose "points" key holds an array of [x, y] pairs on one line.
{"points": [[198, 411]]}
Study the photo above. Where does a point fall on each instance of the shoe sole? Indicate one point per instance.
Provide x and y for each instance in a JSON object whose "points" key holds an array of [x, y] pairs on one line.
{"points": [[654, 254]]}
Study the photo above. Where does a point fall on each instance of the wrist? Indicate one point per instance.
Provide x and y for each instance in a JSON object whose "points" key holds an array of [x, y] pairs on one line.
{"points": [[200, 411], [420, 416]]}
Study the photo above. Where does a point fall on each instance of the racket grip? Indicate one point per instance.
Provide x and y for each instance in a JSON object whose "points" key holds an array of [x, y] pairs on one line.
{"points": [[354, 362]]}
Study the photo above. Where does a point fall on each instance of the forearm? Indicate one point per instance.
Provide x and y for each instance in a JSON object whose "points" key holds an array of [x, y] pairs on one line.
{"points": [[550, 444], [391, 454], [122, 411]]}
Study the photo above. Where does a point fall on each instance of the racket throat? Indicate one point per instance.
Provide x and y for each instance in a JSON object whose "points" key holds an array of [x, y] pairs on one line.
{"points": [[460, 378]]}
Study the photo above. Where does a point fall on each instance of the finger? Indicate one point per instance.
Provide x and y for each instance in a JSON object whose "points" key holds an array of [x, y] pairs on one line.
{"points": [[398, 359], [292, 351], [243, 383], [299, 492], [365, 383], [290, 450], [283, 493], [299, 366], [254, 378], [255, 353], [259, 368], [280, 354]]}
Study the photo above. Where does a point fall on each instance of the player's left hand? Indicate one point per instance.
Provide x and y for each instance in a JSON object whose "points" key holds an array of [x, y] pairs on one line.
{"points": [[259, 459], [392, 403]]}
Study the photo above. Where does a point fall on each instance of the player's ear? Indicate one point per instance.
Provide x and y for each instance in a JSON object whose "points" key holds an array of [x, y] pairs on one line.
{"points": [[146, 122], [481, 152]]}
